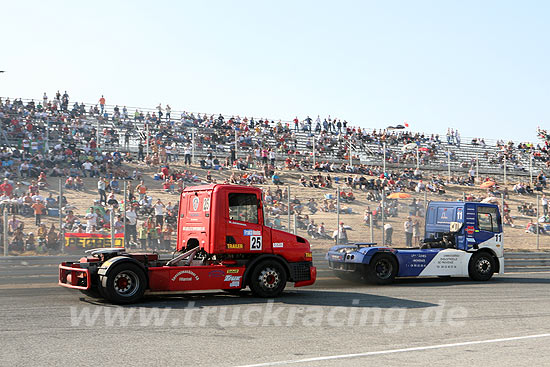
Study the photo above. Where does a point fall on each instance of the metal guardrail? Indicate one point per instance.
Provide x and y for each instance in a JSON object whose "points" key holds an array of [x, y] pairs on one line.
{"points": [[514, 262]]}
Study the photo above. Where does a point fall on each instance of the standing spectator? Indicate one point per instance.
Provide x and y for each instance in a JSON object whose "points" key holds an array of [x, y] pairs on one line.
{"points": [[159, 213], [38, 211], [408, 225], [131, 221], [52, 238], [272, 157], [388, 232], [471, 175], [102, 104], [101, 190], [159, 108], [168, 112], [142, 190], [91, 220], [142, 235], [141, 156], [14, 224], [119, 225], [166, 236], [187, 154], [413, 207], [544, 203], [416, 232], [88, 169], [341, 234], [6, 187], [233, 155]]}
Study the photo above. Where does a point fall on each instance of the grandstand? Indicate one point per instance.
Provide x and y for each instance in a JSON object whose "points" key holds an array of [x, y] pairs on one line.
{"points": [[115, 130], [304, 159]]}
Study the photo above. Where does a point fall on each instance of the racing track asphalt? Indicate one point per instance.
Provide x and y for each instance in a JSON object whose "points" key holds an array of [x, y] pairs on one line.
{"points": [[413, 322]]}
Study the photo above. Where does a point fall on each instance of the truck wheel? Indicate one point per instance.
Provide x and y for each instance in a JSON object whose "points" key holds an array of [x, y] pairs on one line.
{"points": [[124, 284], [268, 279], [382, 269], [481, 266]]}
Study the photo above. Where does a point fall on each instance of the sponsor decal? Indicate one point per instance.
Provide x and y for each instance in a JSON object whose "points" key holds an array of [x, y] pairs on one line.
{"points": [[235, 280], [251, 232], [308, 254], [448, 261], [188, 272], [240, 224], [216, 274], [75, 241], [235, 246], [470, 229], [278, 245], [232, 271], [198, 229]]}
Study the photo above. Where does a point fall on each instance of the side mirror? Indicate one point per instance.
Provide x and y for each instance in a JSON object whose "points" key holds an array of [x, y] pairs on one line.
{"points": [[455, 227]]}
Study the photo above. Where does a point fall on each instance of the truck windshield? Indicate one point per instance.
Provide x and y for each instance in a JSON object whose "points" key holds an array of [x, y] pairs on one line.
{"points": [[243, 207]]}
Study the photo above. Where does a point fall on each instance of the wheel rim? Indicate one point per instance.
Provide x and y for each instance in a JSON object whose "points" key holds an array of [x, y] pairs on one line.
{"points": [[383, 269], [126, 283], [483, 266], [269, 278]]}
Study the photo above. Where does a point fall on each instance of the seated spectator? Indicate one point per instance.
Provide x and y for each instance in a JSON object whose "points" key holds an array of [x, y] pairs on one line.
{"points": [[69, 183], [276, 180]]}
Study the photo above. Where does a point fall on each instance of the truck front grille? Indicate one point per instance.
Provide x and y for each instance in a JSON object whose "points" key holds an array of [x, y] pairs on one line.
{"points": [[300, 271]]}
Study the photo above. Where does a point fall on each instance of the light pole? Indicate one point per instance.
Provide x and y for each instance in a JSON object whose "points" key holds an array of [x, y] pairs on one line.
{"points": [[384, 163]]}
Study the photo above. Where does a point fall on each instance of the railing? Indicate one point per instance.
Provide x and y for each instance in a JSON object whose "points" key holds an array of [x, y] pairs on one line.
{"points": [[465, 153]]}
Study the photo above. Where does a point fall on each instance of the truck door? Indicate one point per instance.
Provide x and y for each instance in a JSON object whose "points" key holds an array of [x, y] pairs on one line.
{"points": [[489, 226], [244, 227]]}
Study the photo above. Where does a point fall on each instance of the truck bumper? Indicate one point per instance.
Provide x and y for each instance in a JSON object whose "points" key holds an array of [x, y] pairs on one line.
{"points": [[312, 278], [73, 276]]}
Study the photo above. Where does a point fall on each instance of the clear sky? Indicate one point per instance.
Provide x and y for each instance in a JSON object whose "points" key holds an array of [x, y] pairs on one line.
{"points": [[480, 66]]}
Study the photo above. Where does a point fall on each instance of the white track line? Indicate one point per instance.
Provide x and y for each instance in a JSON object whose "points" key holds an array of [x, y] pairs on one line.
{"points": [[391, 351]]}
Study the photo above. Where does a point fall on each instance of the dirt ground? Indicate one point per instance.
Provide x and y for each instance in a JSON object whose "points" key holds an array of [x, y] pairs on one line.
{"points": [[515, 238]]}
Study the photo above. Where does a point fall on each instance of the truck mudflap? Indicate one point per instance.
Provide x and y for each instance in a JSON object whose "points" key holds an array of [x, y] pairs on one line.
{"points": [[312, 278], [73, 276]]}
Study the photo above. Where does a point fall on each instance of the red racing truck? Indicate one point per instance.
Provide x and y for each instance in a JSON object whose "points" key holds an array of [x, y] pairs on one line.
{"points": [[222, 243]]}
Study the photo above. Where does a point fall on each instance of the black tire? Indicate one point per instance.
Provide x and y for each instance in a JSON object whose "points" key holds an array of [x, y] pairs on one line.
{"points": [[125, 283], [382, 269], [481, 266], [268, 279]]}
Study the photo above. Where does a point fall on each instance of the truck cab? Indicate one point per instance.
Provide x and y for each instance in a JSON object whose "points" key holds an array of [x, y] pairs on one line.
{"points": [[461, 239], [229, 221], [222, 243]]}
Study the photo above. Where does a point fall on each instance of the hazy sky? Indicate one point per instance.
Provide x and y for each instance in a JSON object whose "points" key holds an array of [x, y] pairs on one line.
{"points": [[479, 66]]}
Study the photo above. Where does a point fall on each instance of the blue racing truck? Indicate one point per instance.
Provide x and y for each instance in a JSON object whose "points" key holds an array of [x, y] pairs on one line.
{"points": [[461, 239]]}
